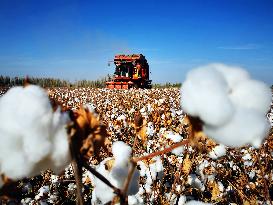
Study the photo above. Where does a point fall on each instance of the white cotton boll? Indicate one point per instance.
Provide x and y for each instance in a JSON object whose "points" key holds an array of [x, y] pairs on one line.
{"points": [[148, 188], [221, 187], [247, 157], [143, 168], [231, 105], [150, 129], [103, 192], [134, 186], [157, 166], [182, 200], [161, 101], [140, 192], [218, 151], [60, 153], [149, 108], [246, 126], [27, 201], [43, 190], [143, 110], [91, 107], [204, 94], [150, 176], [251, 174], [118, 174], [252, 94], [28, 132], [178, 151], [121, 152], [171, 198], [194, 181], [121, 117], [174, 137], [132, 200], [233, 75]]}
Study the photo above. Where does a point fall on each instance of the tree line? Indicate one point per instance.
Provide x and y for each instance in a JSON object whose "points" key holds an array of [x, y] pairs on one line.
{"points": [[167, 85], [6, 81]]}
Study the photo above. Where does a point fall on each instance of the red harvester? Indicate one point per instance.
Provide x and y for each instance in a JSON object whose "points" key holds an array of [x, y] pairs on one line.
{"points": [[132, 71]]}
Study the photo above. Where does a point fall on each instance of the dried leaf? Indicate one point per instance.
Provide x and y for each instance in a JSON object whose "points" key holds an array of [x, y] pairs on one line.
{"points": [[186, 166], [215, 191], [91, 132]]}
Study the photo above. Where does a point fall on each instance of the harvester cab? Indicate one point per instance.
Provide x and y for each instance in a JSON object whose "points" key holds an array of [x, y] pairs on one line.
{"points": [[131, 71]]}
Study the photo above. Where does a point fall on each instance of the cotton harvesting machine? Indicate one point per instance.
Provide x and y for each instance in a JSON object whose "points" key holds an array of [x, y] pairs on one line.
{"points": [[131, 71]]}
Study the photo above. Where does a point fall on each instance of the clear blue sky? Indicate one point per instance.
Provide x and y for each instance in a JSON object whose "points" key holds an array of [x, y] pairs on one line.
{"points": [[74, 39]]}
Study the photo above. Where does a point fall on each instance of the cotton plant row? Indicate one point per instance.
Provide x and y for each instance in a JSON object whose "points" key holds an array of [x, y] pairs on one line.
{"points": [[120, 163], [231, 105]]}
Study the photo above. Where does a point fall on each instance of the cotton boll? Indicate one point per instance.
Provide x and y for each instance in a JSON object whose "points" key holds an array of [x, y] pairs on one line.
{"points": [[157, 166], [218, 151], [118, 174], [194, 181], [247, 101], [132, 200], [178, 151], [28, 132], [121, 152], [17, 115], [103, 192], [134, 186], [204, 94], [142, 168], [150, 129], [252, 94], [233, 75], [42, 191], [148, 188], [182, 200], [174, 137], [60, 153], [246, 126]]}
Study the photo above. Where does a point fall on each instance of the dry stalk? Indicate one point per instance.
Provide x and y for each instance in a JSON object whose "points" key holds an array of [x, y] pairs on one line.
{"points": [[164, 151], [129, 177], [266, 188], [101, 177], [77, 169], [134, 145], [177, 177], [238, 190], [118, 192]]}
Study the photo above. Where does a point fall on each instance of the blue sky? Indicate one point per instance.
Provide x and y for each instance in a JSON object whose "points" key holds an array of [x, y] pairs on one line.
{"points": [[74, 39]]}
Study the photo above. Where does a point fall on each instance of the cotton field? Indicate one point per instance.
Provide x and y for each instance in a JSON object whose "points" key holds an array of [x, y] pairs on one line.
{"points": [[228, 161]]}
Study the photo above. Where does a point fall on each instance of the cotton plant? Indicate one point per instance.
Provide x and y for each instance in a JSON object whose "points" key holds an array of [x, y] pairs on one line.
{"points": [[218, 151], [117, 174], [32, 136], [231, 105]]}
